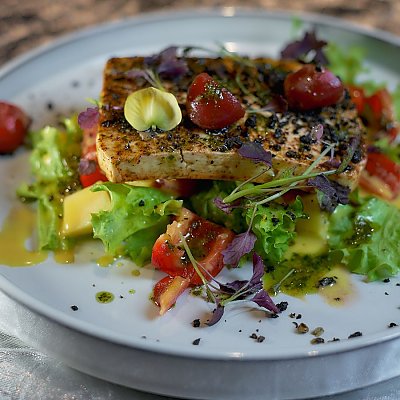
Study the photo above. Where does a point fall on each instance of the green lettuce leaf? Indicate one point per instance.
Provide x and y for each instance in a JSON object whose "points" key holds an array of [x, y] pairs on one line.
{"points": [[137, 217], [203, 205], [274, 225], [366, 238], [54, 165]]}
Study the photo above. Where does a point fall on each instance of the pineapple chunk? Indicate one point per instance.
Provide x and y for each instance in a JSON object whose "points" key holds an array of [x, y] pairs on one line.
{"points": [[78, 210]]}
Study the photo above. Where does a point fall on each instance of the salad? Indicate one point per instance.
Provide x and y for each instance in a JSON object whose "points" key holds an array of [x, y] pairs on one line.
{"points": [[192, 229]]}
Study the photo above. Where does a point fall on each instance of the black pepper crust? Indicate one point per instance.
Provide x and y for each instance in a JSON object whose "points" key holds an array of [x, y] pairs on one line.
{"points": [[285, 134]]}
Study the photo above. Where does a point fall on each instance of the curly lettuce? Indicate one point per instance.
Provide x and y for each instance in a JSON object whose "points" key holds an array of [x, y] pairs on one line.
{"points": [[274, 226], [138, 215], [366, 238], [54, 164], [203, 204]]}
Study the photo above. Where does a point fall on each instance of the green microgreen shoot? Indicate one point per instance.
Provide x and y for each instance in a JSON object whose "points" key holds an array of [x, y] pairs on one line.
{"points": [[198, 268], [278, 285], [149, 75], [285, 184]]}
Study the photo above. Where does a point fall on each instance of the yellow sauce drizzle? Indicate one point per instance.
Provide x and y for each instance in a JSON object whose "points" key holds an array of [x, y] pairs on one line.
{"points": [[64, 256], [105, 261], [104, 297], [17, 228], [342, 292]]}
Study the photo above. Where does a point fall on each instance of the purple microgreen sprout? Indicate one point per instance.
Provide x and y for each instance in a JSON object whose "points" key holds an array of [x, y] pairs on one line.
{"points": [[223, 294], [329, 193], [170, 66], [89, 118], [255, 151], [282, 184], [86, 167], [226, 208], [308, 49], [263, 299], [242, 244], [147, 74], [317, 132], [216, 315]]}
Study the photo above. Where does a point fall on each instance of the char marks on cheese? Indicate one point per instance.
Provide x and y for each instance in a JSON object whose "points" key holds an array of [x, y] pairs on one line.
{"points": [[190, 152]]}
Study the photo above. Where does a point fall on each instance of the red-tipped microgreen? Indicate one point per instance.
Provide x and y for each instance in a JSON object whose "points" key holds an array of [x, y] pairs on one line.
{"points": [[224, 294]]}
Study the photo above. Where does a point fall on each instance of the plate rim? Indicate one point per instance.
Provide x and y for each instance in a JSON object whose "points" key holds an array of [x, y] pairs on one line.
{"points": [[86, 328]]}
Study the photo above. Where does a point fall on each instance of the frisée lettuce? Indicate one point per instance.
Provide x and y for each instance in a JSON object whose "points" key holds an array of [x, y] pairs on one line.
{"points": [[365, 236], [138, 215], [54, 164]]}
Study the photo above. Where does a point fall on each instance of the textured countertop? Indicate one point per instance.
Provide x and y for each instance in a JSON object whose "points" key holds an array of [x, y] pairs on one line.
{"points": [[27, 24]]}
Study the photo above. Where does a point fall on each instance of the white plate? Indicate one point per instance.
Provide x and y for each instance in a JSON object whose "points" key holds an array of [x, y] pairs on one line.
{"points": [[125, 341]]}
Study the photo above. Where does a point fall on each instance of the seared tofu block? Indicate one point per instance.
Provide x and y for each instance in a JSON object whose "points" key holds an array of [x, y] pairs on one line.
{"points": [[190, 152]]}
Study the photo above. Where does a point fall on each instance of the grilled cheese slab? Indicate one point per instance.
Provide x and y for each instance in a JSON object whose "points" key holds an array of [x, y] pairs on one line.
{"points": [[190, 152]]}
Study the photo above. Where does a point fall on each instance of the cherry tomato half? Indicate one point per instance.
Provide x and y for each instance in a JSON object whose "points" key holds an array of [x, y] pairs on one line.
{"points": [[312, 87], [377, 112], [90, 179], [205, 239], [211, 106], [167, 290], [14, 124], [89, 153], [358, 97], [382, 169]]}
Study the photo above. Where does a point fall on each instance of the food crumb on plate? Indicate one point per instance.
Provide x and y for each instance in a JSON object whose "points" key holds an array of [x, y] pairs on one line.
{"points": [[355, 334]]}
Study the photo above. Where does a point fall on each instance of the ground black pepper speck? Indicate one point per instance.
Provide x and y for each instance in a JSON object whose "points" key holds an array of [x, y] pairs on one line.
{"points": [[196, 342], [74, 308], [196, 323], [355, 334], [317, 340]]}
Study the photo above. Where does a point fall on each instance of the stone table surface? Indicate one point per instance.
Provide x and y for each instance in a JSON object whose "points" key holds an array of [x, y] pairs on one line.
{"points": [[27, 24]]}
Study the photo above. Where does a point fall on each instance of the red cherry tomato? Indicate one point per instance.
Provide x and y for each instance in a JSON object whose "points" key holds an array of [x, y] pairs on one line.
{"points": [[380, 104], [89, 153], [357, 95], [93, 177], [205, 239], [14, 124], [312, 87], [179, 187], [167, 290], [382, 169], [211, 106]]}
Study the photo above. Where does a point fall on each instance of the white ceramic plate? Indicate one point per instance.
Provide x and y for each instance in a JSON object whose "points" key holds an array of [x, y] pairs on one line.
{"points": [[125, 341]]}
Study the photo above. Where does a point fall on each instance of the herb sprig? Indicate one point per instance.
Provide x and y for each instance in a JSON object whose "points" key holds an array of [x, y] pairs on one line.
{"points": [[223, 294]]}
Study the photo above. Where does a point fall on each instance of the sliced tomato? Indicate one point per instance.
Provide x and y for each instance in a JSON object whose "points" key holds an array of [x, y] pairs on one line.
{"points": [[93, 177], [179, 187], [205, 239], [357, 95], [167, 290], [210, 105], [89, 153], [312, 87], [382, 176], [377, 112], [381, 105], [89, 143], [14, 125]]}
